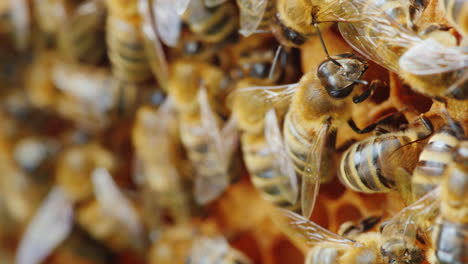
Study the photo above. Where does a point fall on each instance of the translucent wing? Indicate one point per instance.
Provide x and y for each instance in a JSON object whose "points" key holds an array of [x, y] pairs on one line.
{"points": [[418, 214], [379, 38], [168, 21], [213, 3], [431, 57], [181, 6], [276, 96], [313, 171], [277, 146], [341, 10], [251, 14], [113, 202], [300, 228], [153, 46], [209, 185], [49, 227]]}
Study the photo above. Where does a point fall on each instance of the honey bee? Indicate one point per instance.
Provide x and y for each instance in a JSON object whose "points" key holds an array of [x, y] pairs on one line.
{"points": [[80, 37], [435, 158], [100, 217], [255, 15], [162, 182], [429, 60], [193, 87], [213, 25], [451, 232], [215, 250], [396, 243], [90, 95], [455, 12], [371, 165], [125, 43]]}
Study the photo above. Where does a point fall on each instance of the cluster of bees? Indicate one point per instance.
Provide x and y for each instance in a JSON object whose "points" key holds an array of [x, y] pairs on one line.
{"points": [[123, 120]]}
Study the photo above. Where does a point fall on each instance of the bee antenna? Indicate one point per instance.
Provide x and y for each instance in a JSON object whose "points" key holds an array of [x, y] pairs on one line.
{"points": [[275, 61], [323, 45]]}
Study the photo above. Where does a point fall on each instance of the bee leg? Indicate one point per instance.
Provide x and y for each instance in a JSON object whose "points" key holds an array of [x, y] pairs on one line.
{"points": [[367, 93], [323, 45], [370, 127]]}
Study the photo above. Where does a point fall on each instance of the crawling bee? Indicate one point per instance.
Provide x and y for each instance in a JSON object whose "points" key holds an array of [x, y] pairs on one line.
{"points": [[396, 243], [451, 232], [193, 87], [155, 137], [309, 131], [372, 165], [428, 60]]}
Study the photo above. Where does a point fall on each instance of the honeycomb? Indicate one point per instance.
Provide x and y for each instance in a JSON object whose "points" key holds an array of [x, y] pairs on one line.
{"points": [[33, 106]]}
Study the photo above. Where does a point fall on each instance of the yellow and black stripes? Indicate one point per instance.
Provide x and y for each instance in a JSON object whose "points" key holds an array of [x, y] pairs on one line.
{"points": [[217, 26], [126, 51], [362, 165], [265, 176], [433, 161]]}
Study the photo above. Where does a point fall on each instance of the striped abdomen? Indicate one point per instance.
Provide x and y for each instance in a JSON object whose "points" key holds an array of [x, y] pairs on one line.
{"points": [[126, 51], [261, 164], [451, 242], [433, 162], [81, 37], [456, 11], [213, 25], [298, 146], [361, 166]]}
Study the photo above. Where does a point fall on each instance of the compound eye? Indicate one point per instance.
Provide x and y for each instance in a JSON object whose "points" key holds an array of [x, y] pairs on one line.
{"points": [[285, 35]]}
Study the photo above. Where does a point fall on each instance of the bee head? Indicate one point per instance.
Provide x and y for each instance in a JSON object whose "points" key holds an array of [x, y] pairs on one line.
{"points": [[339, 78]]}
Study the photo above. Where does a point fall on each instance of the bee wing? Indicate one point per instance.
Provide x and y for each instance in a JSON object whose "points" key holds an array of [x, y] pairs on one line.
{"points": [[405, 223], [208, 187], [431, 57], [49, 227], [300, 228], [379, 38], [277, 96], [181, 6], [108, 195], [313, 171], [275, 142], [230, 136], [250, 18], [213, 3], [153, 44], [168, 21]]}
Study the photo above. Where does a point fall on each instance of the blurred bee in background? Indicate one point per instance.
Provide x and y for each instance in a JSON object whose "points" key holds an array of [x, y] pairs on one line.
{"points": [[435, 158], [385, 162], [215, 250], [193, 87], [91, 96], [159, 158], [396, 243], [80, 37], [125, 44], [451, 232], [428, 60], [94, 209], [266, 159]]}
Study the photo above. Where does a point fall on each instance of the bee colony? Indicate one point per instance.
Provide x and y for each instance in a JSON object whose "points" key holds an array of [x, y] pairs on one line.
{"points": [[222, 131]]}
